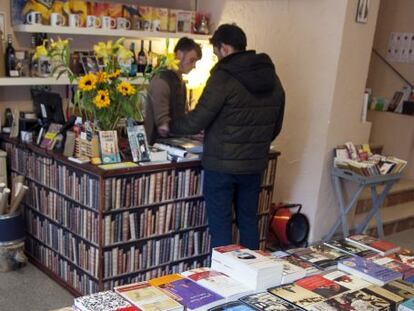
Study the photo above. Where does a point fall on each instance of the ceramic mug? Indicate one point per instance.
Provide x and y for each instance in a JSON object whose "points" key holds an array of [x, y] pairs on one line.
{"points": [[108, 22], [34, 18], [74, 20], [123, 23], [92, 21], [57, 19]]}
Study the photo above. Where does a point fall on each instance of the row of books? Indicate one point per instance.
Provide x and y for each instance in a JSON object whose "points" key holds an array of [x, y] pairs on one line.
{"points": [[359, 159], [152, 188], [46, 171], [154, 252], [63, 268], [63, 242], [68, 214], [236, 273], [270, 172], [151, 222]]}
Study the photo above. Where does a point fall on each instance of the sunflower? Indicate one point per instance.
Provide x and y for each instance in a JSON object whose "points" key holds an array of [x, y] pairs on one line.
{"points": [[115, 74], [171, 62], [87, 82], [102, 100], [40, 51], [125, 88], [102, 77]]}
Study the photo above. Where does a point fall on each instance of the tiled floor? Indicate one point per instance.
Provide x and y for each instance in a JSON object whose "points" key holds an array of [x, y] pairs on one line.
{"points": [[30, 289]]}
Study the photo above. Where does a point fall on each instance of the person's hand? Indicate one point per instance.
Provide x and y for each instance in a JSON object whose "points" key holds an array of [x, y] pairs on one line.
{"points": [[164, 130], [199, 136]]}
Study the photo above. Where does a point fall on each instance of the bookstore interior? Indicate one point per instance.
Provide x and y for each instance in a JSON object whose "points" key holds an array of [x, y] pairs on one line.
{"points": [[120, 222]]}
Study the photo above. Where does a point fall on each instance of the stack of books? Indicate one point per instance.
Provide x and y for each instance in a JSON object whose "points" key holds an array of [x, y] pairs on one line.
{"points": [[361, 273], [360, 160]]}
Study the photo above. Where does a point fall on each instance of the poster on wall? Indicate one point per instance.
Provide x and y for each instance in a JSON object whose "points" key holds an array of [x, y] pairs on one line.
{"points": [[362, 11]]}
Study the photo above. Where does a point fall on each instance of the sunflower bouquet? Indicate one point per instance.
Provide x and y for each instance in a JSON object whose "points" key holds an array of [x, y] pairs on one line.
{"points": [[103, 97]]}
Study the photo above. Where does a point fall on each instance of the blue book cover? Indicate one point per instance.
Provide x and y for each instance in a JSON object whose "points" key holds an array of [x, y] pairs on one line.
{"points": [[190, 294], [358, 265], [408, 304]]}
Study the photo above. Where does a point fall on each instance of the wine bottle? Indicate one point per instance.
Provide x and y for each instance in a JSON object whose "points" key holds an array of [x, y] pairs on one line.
{"points": [[2, 56], [10, 59], [142, 59], [33, 63], [150, 57], [134, 66]]}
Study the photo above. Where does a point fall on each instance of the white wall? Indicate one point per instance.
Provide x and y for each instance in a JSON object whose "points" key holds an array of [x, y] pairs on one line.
{"points": [[322, 57]]}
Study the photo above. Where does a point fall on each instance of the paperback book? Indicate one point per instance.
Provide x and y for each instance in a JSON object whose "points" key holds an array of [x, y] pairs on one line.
{"points": [[188, 293], [406, 270], [254, 270], [368, 270], [407, 305], [346, 280], [319, 260], [393, 299], [350, 248], [382, 247], [290, 272], [103, 301], [147, 297], [232, 306], [321, 286], [265, 301], [400, 288], [296, 294], [404, 255], [217, 282]]}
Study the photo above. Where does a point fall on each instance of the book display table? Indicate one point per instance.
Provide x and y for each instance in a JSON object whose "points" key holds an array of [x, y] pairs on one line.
{"points": [[339, 177], [92, 229]]}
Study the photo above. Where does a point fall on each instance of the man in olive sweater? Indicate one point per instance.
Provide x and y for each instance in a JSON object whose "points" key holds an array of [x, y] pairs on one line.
{"points": [[167, 91], [241, 112]]}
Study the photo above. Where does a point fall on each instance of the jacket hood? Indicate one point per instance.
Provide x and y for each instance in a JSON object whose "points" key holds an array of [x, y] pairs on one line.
{"points": [[255, 72]]}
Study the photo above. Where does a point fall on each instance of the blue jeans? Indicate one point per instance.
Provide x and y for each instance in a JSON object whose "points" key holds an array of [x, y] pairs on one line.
{"points": [[220, 191]]}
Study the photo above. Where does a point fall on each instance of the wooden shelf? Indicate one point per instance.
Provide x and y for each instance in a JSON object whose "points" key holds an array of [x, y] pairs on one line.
{"points": [[148, 35], [30, 81]]}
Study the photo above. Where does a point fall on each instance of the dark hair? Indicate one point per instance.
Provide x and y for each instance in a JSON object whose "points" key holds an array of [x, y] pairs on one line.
{"points": [[186, 44], [229, 34]]}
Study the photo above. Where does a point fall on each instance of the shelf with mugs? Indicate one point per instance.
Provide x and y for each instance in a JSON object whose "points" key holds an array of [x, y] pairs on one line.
{"points": [[32, 81], [126, 33]]}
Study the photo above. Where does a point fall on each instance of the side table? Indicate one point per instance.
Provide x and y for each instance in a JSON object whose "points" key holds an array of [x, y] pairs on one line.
{"points": [[339, 177]]}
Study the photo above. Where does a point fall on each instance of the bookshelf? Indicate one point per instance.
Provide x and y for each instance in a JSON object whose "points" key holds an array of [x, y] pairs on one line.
{"points": [[91, 229]]}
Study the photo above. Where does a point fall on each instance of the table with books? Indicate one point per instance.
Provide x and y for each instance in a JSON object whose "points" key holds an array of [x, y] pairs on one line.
{"points": [[356, 273]]}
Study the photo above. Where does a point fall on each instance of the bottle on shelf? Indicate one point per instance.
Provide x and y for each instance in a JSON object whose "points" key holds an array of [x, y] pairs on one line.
{"points": [[134, 65], [10, 59], [142, 59], [32, 63], [2, 64], [150, 57]]}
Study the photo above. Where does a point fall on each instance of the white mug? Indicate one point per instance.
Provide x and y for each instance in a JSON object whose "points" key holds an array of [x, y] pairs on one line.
{"points": [[33, 18], [123, 23], [74, 20], [57, 19], [108, 22], [93, 22]]}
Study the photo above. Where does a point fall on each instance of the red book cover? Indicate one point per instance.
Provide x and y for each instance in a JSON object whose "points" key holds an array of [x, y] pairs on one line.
{"points": [[384, 246], [321, 286]]}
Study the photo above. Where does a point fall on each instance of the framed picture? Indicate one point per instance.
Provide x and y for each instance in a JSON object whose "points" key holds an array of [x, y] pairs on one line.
{"points": [[2, 26], [89, 63], [362, 11]]}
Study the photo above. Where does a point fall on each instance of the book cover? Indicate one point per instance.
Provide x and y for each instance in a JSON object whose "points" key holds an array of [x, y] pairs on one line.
{"points": [[406, 270], [405, 256], [232, 306], [217, 282], [321, 286], [296, 294], [109, 147], [368, 270], [382, 247], [147, 297], [317, 259], [407, 305], [188, 293], [400, 288], [307, 266], [290, 271], [393, 299], [355, 301], [266, 301], [349, 248], [103, 301], [346, 280], [49, 138]]}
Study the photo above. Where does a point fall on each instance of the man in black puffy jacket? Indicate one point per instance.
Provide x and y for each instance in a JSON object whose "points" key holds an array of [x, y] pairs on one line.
{"points": [[241, 112]]}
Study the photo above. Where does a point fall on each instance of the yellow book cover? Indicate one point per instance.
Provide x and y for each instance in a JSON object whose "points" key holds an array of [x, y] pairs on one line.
{"points": [[165, 279]]}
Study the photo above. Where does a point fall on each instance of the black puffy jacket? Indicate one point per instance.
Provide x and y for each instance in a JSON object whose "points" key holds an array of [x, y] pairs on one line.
{"points": [[241, 111]]}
